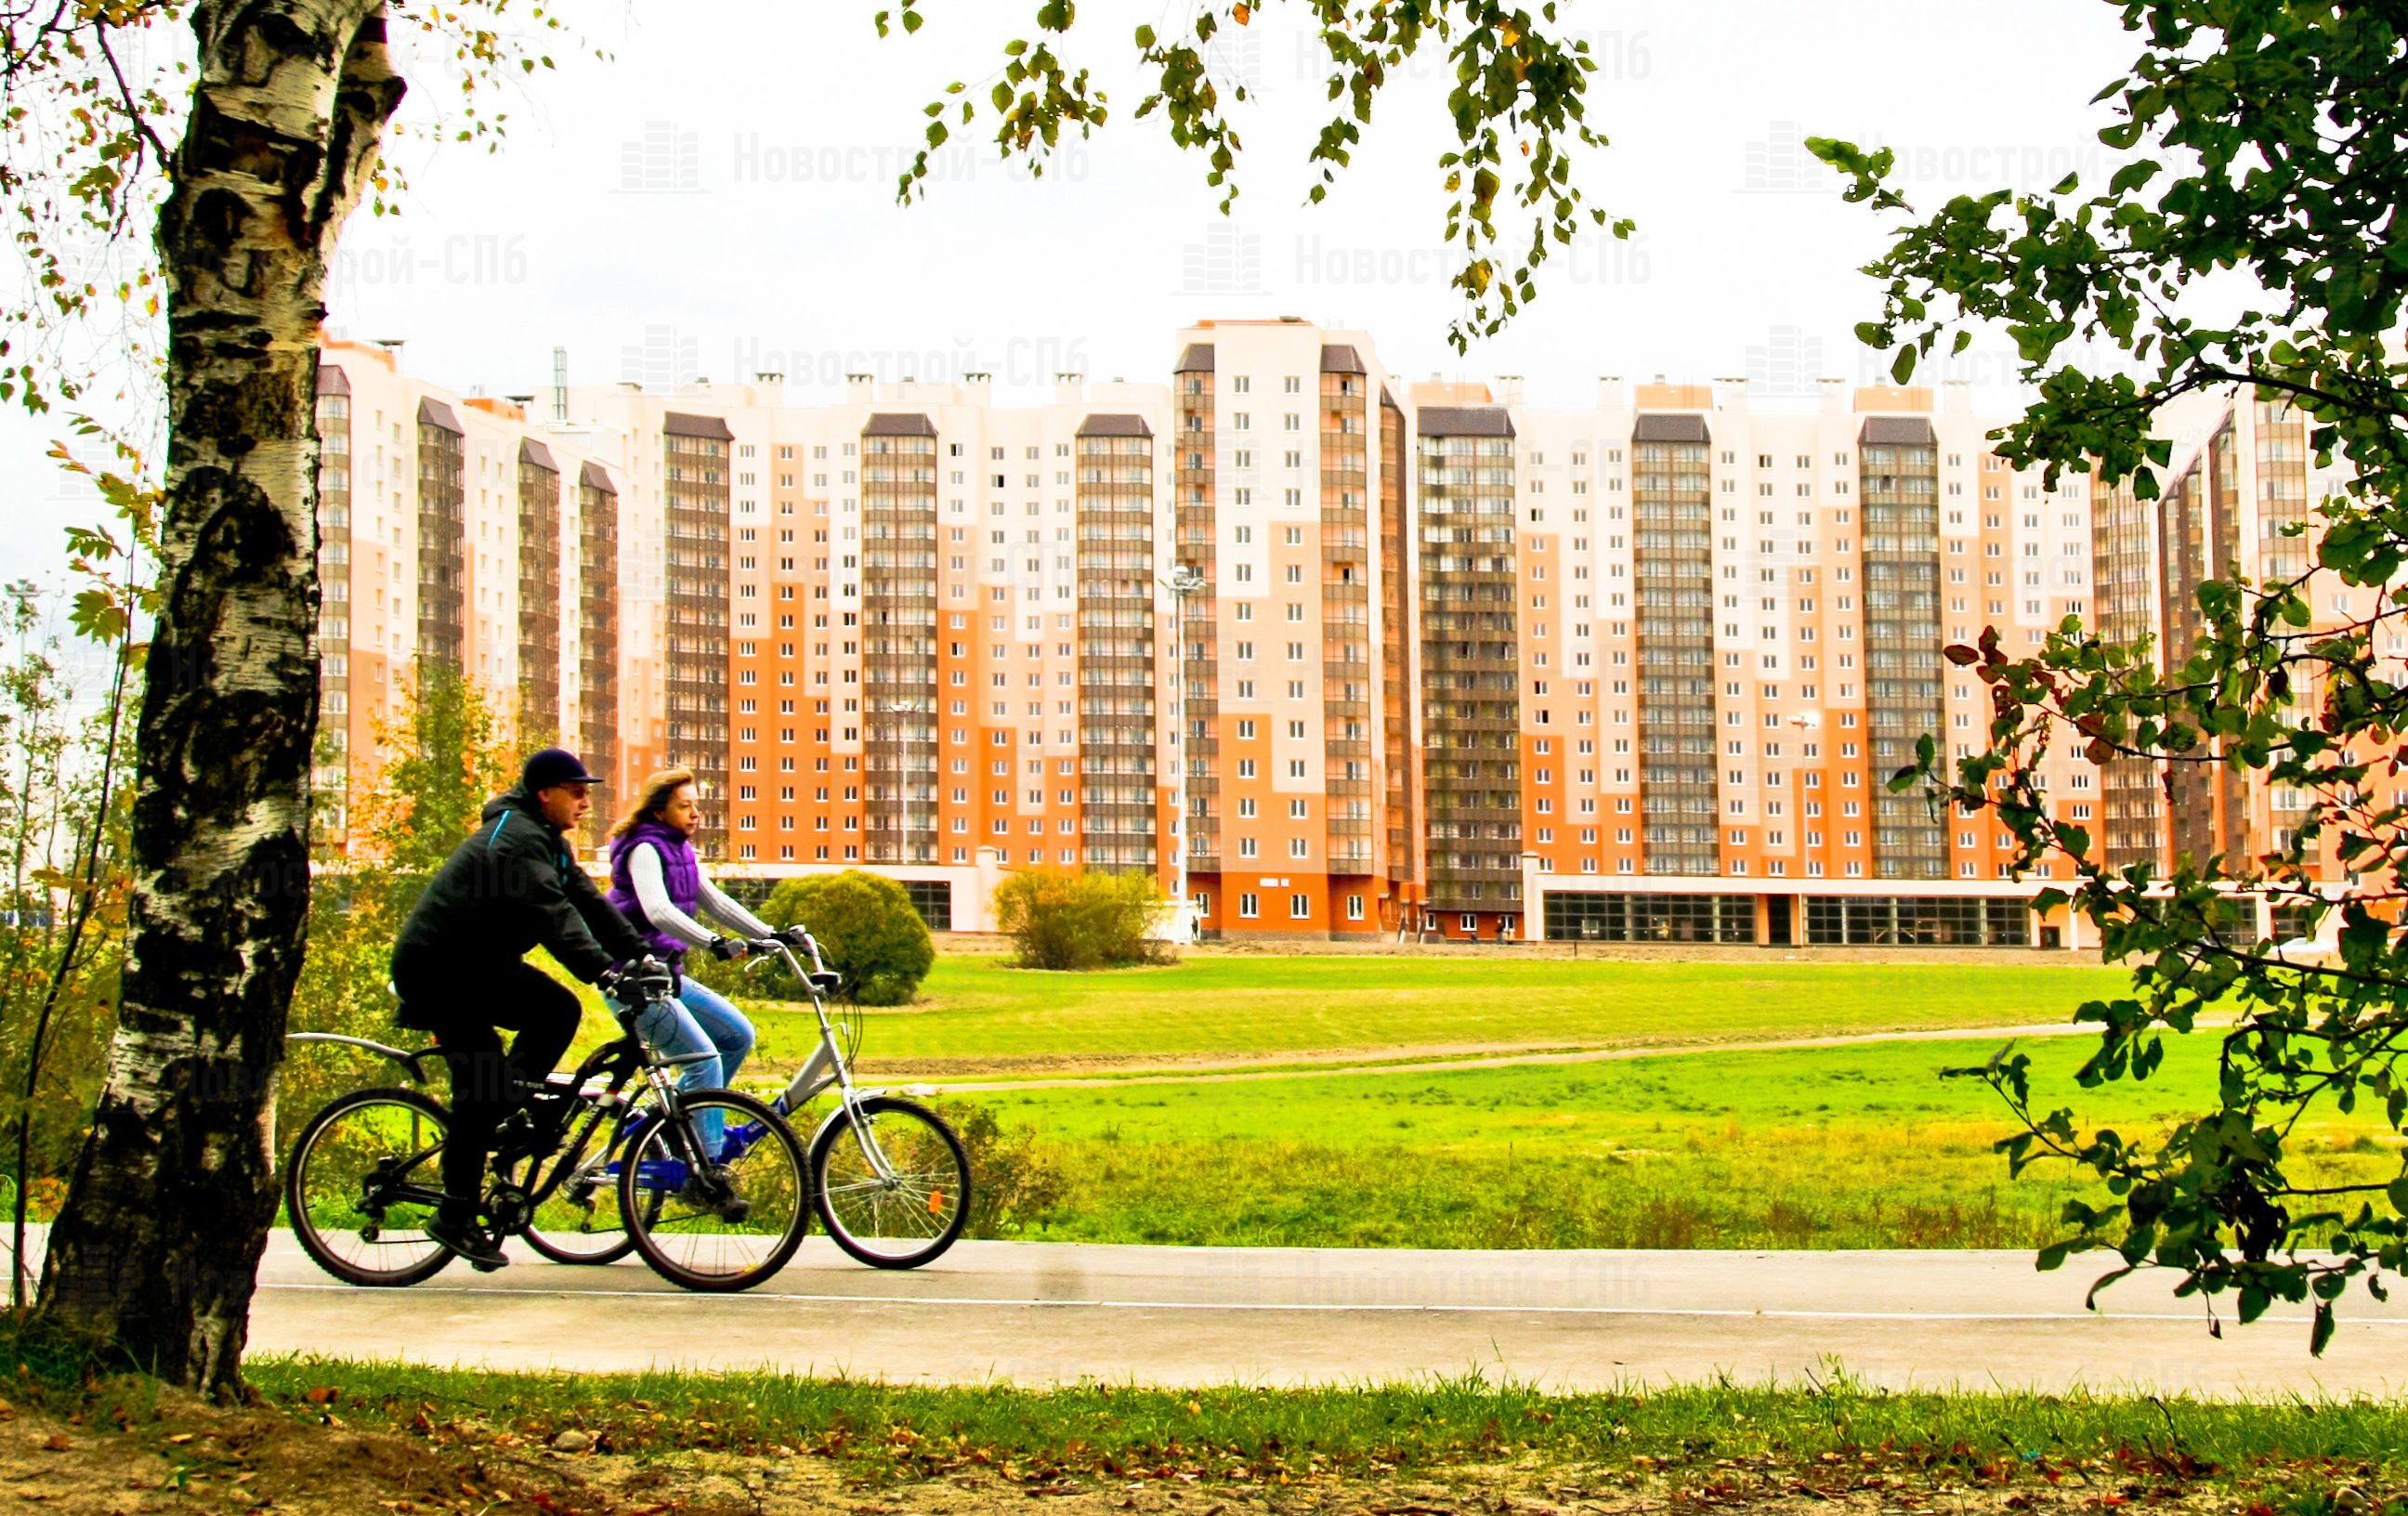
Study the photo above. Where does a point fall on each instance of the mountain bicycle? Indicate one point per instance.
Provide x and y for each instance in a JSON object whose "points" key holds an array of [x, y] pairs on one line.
{"points": [[890, 1179], [364, 1175]]}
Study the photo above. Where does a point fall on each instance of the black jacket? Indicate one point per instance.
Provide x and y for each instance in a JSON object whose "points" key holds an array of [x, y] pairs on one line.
{"points": [[513, 886]]}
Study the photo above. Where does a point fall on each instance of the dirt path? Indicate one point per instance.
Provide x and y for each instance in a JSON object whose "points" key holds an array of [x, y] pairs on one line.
{"points": [[181, 1457], [1205, 1068]]}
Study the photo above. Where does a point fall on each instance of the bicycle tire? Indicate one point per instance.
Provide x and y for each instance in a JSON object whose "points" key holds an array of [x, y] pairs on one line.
{"points": [[300, 1172], [751, 1250], [941, 1178]]}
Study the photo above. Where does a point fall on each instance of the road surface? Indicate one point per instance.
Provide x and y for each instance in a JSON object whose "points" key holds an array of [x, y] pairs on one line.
{"points": [[1051, 1313]]}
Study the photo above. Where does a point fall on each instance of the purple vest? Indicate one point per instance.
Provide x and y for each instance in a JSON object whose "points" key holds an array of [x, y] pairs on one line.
{"points": [[680, 873]]}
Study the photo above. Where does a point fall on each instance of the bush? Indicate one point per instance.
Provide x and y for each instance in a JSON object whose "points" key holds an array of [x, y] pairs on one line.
{"points": [[1082, 920], [866, 931], [1015, 1183]]}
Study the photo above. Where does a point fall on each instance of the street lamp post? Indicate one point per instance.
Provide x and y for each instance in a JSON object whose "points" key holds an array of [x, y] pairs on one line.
{"points": [[1184, 580]]}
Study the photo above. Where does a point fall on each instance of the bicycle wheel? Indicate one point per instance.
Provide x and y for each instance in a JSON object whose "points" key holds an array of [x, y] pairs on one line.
{"points": [[688, 1231], [579, 1222], [362, 1183], [900, 1222]]}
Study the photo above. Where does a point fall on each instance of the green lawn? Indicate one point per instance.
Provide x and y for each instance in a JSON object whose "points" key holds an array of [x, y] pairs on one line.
{"points": [[1822, 1148], [975, 1015], [1825, 1147]]}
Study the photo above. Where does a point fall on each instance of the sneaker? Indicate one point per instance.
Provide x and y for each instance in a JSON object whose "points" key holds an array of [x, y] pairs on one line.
{"points": [[470, 1240], [715, 1189]]}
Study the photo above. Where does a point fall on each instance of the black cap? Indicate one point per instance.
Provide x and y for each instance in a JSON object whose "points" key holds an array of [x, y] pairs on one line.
{"points": [[554, 767]]}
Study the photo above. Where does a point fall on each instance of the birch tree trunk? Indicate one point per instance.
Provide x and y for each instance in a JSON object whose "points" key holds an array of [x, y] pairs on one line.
{"points": [[157, 1249]]}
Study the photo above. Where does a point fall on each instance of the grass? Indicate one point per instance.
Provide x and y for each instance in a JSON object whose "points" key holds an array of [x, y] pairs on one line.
{"points": [[1859, 1147], [974, 1012], [1830, 1436], [1853, 1147]]}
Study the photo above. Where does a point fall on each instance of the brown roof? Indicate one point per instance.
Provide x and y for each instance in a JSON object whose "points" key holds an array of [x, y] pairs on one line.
{"points": [[677, 423], [436, 413], [1196, 359], [531, 451], [1465, 421], [1898, 431], [1672, 428], [899, 423], [332, 379], [1386, 399], [594, 477], [1114, 424], [1339, 358]]}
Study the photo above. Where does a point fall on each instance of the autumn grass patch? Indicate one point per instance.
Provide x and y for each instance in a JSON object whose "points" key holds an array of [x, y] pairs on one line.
{"points": [[1830, 1435]]}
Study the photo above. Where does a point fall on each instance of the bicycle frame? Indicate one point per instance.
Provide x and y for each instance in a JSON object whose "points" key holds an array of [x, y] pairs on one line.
{"points": [[621, 1060], [825, 1066]]}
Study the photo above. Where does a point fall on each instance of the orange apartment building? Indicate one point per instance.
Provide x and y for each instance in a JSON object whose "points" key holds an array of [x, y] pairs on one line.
{"points": [[1445, 662], [1725, 631]]}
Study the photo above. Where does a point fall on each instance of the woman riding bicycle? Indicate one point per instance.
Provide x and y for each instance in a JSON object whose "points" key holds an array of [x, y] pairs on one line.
{"points": [[657, 884]]}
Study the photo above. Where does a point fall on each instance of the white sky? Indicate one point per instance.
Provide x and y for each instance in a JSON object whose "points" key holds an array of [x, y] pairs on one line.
{"points": [[718, 198]]}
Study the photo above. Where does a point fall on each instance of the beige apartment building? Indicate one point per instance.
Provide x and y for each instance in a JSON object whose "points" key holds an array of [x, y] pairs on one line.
{"points": [[455, 530], [915, 631], [1346, 653]]}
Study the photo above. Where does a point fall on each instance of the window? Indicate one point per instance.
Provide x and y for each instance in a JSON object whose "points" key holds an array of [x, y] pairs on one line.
{"points": [[1300, 908], [1354, 907], [1250, 906]]}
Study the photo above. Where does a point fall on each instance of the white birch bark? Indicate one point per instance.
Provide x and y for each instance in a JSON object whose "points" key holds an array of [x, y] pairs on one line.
{"points": [[156, 1250]]}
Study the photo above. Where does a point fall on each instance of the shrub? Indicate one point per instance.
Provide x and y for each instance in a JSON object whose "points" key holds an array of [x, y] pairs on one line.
{"points": [[1015, 1182], [1082, 920], [866, 931]]}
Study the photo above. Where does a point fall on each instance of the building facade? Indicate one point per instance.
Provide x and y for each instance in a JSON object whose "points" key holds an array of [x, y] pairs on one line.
{"points": [[1344, 655]]}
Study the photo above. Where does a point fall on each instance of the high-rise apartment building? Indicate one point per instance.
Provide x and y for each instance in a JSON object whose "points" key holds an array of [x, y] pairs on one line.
{"points": [[1442, 662], [2238, 500], [1288, 491], [444, 531]]}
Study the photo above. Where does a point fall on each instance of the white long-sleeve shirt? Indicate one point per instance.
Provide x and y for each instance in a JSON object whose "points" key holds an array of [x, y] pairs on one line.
{"points": [[653, 895]]}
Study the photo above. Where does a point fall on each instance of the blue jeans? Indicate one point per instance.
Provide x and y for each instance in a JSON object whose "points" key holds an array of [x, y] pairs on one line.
{"points": [[700, 1020]]}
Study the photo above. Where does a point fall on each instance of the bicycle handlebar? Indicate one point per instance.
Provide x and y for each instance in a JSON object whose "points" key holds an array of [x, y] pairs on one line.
{"points": [[822, 979]]}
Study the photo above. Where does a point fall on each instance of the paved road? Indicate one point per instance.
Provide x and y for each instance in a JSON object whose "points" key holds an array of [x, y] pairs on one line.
{"points": [[1036, 1313]]}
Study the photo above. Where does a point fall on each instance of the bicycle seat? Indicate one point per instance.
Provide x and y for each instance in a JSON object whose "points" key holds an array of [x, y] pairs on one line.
{"points": [[826, 983]]}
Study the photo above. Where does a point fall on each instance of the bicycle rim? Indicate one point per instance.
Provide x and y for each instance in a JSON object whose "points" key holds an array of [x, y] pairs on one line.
{"points": [[900, 1222], [364, 1182], [686, 1231]]}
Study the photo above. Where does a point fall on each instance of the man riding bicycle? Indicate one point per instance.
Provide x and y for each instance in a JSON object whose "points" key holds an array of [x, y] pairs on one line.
{"points": [[460, 967]]}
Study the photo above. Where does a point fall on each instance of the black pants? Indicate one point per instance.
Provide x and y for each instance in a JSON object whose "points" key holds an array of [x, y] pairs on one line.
{"points": [[486, 1080]]}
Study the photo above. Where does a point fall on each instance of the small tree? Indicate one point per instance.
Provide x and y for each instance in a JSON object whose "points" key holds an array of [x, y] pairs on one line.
{"points": [[866, 931], [451, 752], [1082, 920]]}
